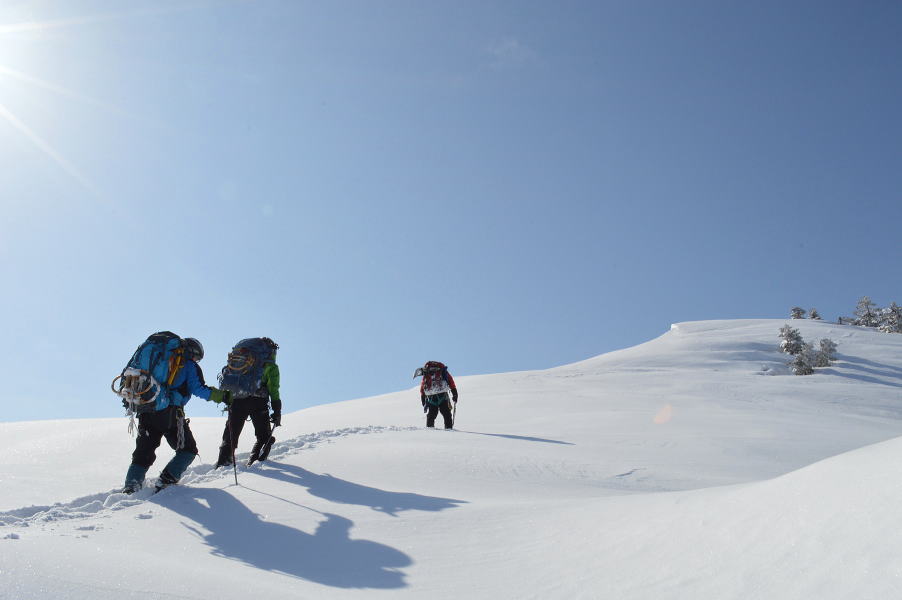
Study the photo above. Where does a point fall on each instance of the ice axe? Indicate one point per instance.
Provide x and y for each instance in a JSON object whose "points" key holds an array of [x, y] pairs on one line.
{"points": [[264, 451]]}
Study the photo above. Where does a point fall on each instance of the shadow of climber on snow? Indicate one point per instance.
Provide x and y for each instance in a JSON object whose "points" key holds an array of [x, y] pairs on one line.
{"points": [[342, 491], [328, 555]]}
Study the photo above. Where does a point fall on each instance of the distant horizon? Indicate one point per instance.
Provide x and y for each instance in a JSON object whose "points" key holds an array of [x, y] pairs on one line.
{"points": [[197, 403]]}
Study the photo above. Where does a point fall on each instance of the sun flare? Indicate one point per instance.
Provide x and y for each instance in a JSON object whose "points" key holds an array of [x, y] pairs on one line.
{"points": [[47, 149]]}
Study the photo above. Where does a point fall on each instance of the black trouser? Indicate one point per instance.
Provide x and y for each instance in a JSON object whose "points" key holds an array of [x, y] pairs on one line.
{"points": [[152, 427], [444, 407], [257, 409]]}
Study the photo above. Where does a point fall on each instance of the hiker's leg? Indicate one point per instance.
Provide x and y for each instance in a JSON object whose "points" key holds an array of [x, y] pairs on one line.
{"points": [[147, 442], [181, 439], [232, 431], [445, 408], [260, 419]]}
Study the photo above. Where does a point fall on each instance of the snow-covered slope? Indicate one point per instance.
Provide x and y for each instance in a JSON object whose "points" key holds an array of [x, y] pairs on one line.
{"points": [[691, 466]]}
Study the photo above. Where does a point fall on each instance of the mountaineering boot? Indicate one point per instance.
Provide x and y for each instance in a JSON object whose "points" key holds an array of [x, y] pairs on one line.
{"points": [[134, 479], [166, 479], [255, 453], [174, 470], [260, 453], [264, 454], [176, 467], [225, 457]]}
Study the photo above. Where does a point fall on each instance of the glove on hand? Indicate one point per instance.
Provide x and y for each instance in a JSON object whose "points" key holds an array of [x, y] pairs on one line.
{"points": [[220, 396], [125, 404], [276, 419]]}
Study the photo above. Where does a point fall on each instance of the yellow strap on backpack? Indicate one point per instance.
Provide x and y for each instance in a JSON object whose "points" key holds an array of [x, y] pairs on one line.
{"points": [[176, 362]]}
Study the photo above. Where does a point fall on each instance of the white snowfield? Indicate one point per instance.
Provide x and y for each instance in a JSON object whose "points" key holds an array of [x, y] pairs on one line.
{"points": [[692, 466]]}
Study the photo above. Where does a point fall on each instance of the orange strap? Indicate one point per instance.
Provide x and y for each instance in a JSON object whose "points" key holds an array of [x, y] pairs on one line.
{"points": [[176, 362]]}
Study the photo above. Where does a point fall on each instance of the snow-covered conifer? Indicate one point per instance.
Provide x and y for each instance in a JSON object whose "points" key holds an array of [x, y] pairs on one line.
{"points": [[803, 362], [866, 313], [813, 314], [796, 312], [790, 340], [891, 319], [825, 354]]}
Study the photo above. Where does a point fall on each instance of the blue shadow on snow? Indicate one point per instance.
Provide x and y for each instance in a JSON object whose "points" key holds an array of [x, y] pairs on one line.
{"points": [[518, 437], [341, 491], [875, 371], [328, 556]]}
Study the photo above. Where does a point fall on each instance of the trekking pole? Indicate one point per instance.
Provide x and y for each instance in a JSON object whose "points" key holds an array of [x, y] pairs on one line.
{"points": [[453, 414], [232, 446]]}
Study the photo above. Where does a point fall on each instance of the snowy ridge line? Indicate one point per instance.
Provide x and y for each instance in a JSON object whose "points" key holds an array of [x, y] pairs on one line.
{"points": [[95, 504]]}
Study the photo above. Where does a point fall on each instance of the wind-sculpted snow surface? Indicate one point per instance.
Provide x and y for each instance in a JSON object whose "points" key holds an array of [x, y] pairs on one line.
{"points": [[692, 466]]}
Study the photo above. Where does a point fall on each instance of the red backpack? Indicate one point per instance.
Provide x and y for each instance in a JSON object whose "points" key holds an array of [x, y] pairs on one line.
{"points": [[435, 380]]}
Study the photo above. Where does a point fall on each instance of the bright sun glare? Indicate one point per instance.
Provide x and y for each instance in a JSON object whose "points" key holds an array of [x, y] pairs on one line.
{"points": [[13, 37]]}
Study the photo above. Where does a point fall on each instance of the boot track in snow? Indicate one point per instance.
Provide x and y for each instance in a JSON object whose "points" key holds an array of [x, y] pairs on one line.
{"points": [[89, 506]]}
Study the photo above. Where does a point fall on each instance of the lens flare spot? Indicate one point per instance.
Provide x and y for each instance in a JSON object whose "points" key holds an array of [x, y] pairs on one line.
{"points": [[664, 415]]}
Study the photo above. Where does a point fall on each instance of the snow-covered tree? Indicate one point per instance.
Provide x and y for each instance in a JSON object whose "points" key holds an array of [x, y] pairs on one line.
{"points": [[803, 362], [796, 312], [790, 340], [825, 354], [866, 313], [891, 319], [813, 314]]}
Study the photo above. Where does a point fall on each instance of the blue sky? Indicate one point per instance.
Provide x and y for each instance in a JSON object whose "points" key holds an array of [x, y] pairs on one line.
{"points": [[497, 185]]}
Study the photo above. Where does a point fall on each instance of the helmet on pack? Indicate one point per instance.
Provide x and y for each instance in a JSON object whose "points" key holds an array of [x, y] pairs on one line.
{"points": [[272, 345], [193, 349]]}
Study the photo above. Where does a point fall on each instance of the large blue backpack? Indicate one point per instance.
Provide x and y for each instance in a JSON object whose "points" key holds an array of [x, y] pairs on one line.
{"points": [[243, 373], [146, 380]]}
